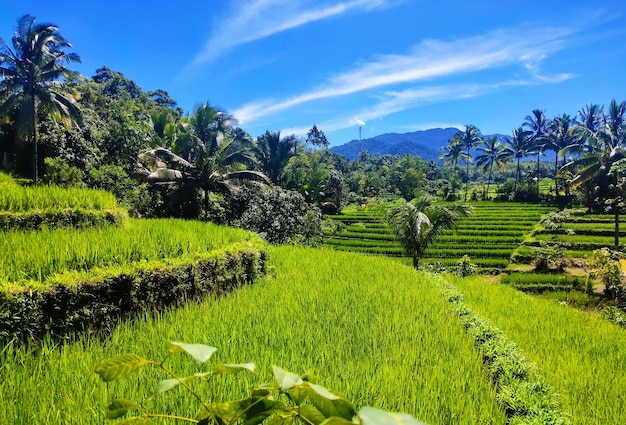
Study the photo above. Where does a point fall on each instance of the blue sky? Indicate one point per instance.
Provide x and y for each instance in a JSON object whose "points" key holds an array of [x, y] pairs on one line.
{"points": [[389, 65]]}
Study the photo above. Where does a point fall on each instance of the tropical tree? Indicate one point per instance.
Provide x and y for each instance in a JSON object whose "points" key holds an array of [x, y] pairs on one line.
{"points": [[454, 152], [316, 138], [468, 139], [273, 153], [586, 124], [493, 153], [418, 223], [537, 125], [558, 139], [600, 163], [518, 147], [33, 79]]}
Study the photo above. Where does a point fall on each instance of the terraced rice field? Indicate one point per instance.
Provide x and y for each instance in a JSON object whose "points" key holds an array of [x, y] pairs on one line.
{"points": [[581, 233], [488, 236]]}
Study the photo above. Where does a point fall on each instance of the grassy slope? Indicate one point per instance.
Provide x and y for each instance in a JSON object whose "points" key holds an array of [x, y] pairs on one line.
{"points": [[583, 357], [375, 331]]}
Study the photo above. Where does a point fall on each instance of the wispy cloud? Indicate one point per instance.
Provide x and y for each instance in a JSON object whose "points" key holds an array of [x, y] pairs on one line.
{"points": [[396, 101], [431, 59], [251, 20]]}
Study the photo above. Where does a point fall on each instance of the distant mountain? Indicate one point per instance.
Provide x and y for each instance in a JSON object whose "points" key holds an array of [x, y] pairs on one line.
{"points": [[426, 144]]}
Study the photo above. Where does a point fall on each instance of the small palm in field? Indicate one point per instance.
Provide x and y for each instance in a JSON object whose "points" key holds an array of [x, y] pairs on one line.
{"points": [[418, 223]]}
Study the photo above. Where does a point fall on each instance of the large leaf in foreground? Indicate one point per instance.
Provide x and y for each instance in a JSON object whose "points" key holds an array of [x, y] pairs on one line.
{"points": [[119, 367], [200, 352], [119, 407], [371, 416]]}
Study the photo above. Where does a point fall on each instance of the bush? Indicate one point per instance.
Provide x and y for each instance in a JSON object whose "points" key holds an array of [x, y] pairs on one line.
{"points": [[605, 266], [280, 216], [60, 173], [465, 267]]}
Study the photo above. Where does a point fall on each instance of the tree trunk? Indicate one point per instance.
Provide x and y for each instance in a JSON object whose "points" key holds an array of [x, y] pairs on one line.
{"points": [[489, 181], [556, 171], [206, 204], [616, 210], [466, 179], [35, 136], [416, 262]]}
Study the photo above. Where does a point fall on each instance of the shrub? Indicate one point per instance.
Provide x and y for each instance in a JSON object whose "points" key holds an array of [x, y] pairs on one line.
{"points": [[605, 266], [465, 267], [60, 173], [280, 215]]}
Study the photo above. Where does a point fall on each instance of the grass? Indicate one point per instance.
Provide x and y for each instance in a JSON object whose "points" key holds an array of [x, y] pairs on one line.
{"points": [[17, 198], [377, 332], [583, 357], [27, 257]]}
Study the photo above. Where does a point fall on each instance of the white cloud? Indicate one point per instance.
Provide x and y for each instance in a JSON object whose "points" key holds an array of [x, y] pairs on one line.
{"points": [[429, 60], [396, 101], [251, 20]]}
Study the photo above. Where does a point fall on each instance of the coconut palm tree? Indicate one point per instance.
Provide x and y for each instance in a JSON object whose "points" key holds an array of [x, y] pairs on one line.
{"points": [[418, 223], [558, 139], [537, 125], [33, 71], [518, 147], [273, 153], [587, 122], [606, 148], [468, 139], [493, 153], [454, 152]]}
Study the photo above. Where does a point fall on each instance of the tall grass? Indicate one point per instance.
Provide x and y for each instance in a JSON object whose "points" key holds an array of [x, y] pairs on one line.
{"points": [[376, 331], [16, 198], [34, 256], [582, 356]]}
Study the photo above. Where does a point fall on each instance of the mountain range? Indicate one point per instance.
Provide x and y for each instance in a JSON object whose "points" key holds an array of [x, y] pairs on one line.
{"points": [[427, 144]]}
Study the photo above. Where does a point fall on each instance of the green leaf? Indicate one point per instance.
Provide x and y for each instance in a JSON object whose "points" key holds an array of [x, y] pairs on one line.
{"points": [[323, 392], [119, 367], [139, 420], [233, 368], [285, 379], [251, 410], [119, 407], [372, 416], [201, 353], [311, 414], [166, 385], [334, 420]]}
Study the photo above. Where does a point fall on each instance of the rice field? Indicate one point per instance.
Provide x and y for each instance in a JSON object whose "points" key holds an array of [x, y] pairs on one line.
{"points": [[29, 258], [489, 236], [17, 198], [379, 333], [580, 233], [582, 356]]}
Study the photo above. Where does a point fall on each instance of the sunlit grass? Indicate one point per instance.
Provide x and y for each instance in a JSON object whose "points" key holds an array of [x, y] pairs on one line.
{"points": [[34, 256], [582, 356], [372, 329]]}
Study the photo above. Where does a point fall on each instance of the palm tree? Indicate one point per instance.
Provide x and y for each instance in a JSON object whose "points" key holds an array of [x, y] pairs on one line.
{"points": [[418, 223], [588, 121], [606, 148], [493, 153], [453, 154], [32, 73], [468, 139], [518, 147], [538, 127], [559, 138], [273, 153]]}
